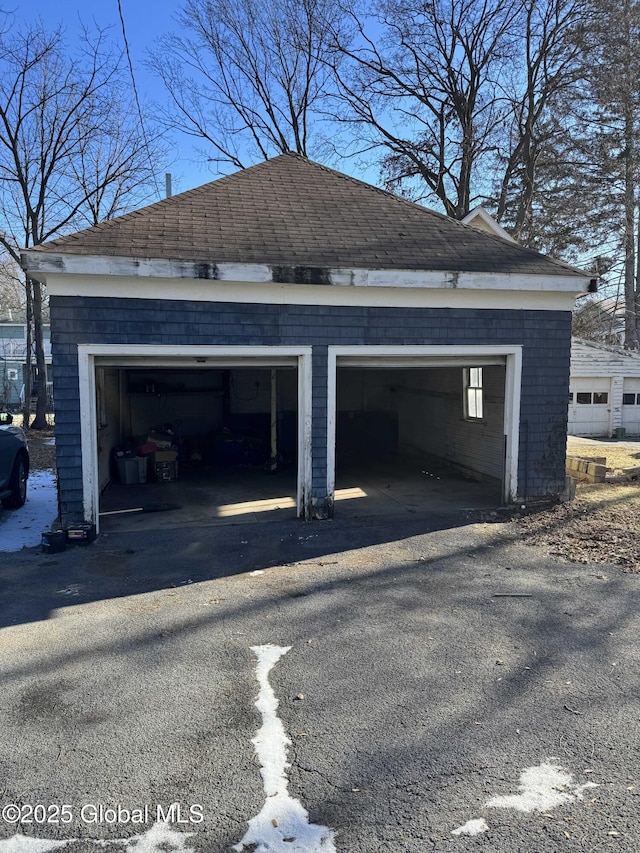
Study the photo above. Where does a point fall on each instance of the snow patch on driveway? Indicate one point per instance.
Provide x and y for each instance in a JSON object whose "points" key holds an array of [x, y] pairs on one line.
{"points": [[472, 827], [282, 826], [23, 528], [24, 844], [542, 788], [160, 838]]}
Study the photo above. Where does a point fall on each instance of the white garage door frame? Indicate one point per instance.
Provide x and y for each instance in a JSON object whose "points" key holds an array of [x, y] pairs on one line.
{"points": [[143, 355], [434, 356]]}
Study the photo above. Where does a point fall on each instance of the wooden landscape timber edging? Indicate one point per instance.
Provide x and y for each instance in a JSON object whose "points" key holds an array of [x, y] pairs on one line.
{"points": [[587, 470]]}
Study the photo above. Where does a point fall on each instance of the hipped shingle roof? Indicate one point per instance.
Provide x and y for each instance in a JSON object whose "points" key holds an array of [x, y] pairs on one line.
{"points": [[294, 212]]}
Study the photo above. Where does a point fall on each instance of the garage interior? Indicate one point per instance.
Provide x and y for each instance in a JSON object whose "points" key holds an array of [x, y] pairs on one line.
{"points": [[195, 444], [403, 434], [404, 443]]}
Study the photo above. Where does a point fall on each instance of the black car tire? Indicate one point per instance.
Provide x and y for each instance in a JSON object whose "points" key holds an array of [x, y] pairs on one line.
{"points": [[17, 484]]}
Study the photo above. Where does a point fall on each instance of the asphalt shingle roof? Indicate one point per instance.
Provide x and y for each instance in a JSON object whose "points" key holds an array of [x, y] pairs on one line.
{"points": [[290, 211]]}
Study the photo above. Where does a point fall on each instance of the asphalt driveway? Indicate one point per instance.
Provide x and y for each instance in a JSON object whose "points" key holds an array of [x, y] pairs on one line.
{"points": [[419, 686]]}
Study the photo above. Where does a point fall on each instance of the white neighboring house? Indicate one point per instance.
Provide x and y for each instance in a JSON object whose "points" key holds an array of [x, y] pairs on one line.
{"points": [[604, 390], [479, 218], [13, 345]]}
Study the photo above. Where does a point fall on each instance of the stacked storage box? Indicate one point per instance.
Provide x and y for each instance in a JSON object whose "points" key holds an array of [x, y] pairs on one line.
{"points": [[166, 465]]}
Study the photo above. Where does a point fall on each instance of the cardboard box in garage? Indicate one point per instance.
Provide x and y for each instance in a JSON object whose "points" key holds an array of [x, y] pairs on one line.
{"points": [[165, 465]]}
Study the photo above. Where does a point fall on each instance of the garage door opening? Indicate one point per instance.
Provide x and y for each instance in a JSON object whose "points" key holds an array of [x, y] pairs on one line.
{"points": [[199, 444], [419, 438]]}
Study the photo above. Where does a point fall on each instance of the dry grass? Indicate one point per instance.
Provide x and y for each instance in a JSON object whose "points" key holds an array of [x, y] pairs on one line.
{"points": [[42, 450], [602, 524]]}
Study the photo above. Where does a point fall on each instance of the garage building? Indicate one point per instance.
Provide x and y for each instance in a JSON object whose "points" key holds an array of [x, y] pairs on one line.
{"points": [[292, 320], [604, 392]]}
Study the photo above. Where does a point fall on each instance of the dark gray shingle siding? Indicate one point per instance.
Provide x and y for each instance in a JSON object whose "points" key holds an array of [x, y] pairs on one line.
{"points": [[544, 335]]}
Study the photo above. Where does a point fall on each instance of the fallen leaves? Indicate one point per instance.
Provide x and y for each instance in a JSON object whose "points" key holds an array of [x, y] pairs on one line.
{"points": [[602, 525]]}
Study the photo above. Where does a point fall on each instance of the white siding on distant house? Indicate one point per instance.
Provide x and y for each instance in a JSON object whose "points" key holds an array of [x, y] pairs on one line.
{"points": [[597, 370]]}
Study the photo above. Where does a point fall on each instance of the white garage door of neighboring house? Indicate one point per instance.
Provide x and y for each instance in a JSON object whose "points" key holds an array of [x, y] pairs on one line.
{"points": [[590, 406], [631, 405]]}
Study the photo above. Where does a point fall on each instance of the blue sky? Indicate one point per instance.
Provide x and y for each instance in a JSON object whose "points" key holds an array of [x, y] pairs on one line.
{"points": [[145, 21]]}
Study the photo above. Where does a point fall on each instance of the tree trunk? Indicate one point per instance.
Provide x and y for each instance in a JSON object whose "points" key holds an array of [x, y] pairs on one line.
{"points": [[40, 421], [631, 341], [636, 295], [26, 406], [630, 318]]}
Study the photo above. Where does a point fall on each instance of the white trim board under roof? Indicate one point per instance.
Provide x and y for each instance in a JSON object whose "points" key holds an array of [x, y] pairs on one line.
{"points": [[54, 269], [389, 296]]}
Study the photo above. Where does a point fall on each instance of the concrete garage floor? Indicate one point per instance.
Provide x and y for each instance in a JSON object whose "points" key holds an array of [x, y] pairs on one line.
{"points": [[232, 496]]}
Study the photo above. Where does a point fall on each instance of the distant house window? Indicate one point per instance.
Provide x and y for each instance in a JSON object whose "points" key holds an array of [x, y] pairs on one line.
{"points": [[571, 396], [473, 393], [598, 398], [631, 399], [12, 374]]}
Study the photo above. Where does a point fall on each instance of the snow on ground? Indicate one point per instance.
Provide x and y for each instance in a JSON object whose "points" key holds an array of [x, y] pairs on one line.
{"points": [[472, 827], [23, 528], [158, 839], [542, 788], [25, 844], [282, 826]]}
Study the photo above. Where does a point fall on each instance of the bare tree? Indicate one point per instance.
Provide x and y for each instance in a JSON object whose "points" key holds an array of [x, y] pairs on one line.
{"points": [[248, 77], [71, 152], [597, 319], [420, 86], [12, 295], [537, 152], [616, 90]]}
